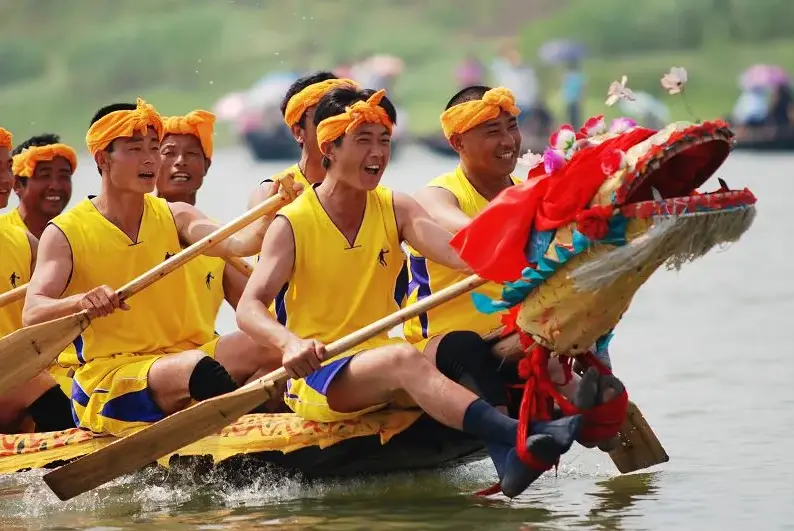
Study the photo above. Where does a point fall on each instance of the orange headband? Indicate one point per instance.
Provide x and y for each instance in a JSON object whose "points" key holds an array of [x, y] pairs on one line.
{"points": [[311, 95], [6, 139], [197, 123], [465, 116], [25, 162], [122, 124], [360, 112]]}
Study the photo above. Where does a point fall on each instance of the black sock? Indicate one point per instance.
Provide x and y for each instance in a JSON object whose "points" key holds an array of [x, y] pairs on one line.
{"points": [[52, 411], [487, 423], [498, 453], [465, 354], [498, 431], [210, 379]]}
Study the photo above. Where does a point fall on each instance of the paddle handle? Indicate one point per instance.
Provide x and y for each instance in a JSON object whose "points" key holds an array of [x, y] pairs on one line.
{"points": [[273, 204], [240, 265], [13, 295], [381, 325]]}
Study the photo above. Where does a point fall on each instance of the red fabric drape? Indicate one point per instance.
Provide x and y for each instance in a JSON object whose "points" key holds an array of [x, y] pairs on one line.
{"points": [[493, 243]]}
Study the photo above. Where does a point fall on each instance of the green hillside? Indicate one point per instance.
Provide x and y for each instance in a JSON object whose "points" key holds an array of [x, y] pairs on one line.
{"points": [[60, 61]]}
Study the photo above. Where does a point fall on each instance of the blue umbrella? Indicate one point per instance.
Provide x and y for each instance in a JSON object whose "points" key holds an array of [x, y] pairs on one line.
{"points": [[562, 51]]}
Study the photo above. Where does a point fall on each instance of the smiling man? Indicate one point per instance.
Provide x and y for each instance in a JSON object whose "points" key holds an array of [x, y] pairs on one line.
{"points": [[40, 399], [340, 243], [43, 169], [297, 108], [186, 152], [154, 356], [480, 124]]}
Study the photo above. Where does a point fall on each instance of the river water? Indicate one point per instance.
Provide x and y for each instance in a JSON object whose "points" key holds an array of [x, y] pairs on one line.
{"points": [[704, 352]]}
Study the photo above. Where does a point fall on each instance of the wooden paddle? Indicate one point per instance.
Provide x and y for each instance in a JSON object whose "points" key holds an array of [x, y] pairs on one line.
{"points": [[13, 295], [205, 418], [28, 351]]}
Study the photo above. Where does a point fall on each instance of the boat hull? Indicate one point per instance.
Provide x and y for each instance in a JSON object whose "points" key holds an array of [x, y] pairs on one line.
{"points": [[765, 140], [382, 442]]}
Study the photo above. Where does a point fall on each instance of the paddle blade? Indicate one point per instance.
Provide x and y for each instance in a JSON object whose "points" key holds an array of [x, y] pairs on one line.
{"points": [[30, 350], [159, 439], [639, 447]]}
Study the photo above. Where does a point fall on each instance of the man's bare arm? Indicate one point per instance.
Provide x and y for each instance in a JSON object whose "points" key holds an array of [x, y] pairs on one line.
{"points": [[233, 285], [443, 207], [273, 270], [300, 357], [429, 238], [34, 250]]}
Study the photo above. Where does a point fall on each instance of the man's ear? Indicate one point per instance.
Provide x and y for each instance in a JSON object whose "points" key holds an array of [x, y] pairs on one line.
{"points": [[456, 142], [102, 159], [298, 133]]}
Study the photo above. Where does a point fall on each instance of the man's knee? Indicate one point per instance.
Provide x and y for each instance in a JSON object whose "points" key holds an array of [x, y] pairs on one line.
{"points": [[405, 358], [169, 377], [243, 357]]}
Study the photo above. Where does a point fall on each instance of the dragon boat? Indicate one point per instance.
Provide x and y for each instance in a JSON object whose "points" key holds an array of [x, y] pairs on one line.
{"points": [[601, 212]]}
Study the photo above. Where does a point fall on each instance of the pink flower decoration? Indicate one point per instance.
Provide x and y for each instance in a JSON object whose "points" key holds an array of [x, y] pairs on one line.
{"points": [[531, 160], [563, 138], [619, 91], [553, 160], [595, 125], [674, 81], [621, 125], [613, 161]]}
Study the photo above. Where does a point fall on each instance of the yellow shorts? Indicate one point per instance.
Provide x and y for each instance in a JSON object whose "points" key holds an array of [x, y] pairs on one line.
{"points": [[111, 395], [306, 397]]}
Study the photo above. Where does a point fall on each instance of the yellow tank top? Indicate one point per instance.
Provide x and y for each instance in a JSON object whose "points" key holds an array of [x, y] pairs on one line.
{"points": [[69, 355], [205, 279], [162, 318], [335, 288], [428, 277], [15, 258], [14, 218]]}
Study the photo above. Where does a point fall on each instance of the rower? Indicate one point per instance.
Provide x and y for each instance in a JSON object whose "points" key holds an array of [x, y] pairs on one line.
{"points": [[40, 398], [481, 125], [331, 260], [298, 108], [156, 355], [186, 153], [43, 168]]}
